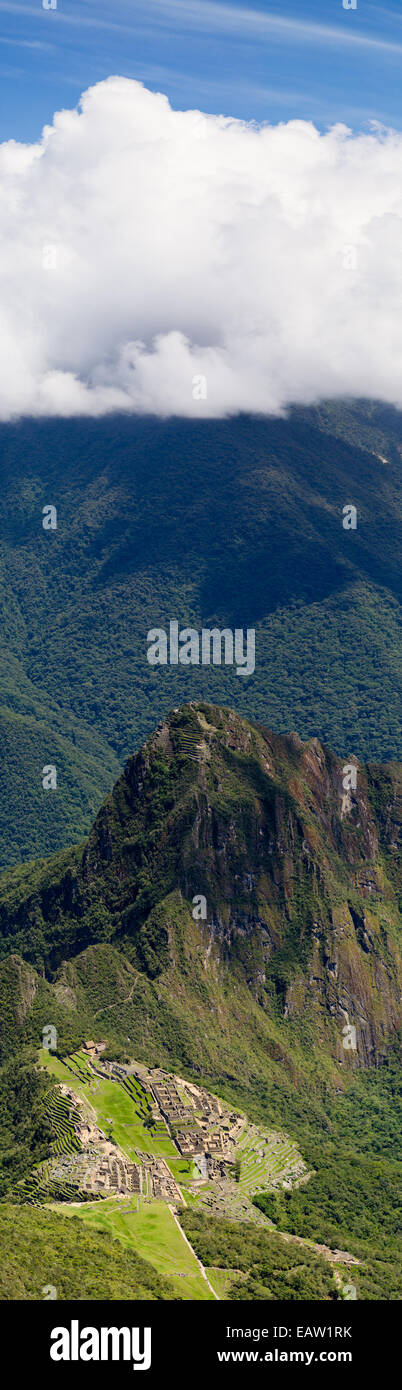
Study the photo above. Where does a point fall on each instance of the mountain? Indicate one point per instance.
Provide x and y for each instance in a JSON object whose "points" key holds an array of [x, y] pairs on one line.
{"points": [[233, 915], [259, 543], [228, 876]]}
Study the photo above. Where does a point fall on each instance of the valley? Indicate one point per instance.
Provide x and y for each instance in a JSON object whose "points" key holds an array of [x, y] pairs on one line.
{"points": [[76, 688]]}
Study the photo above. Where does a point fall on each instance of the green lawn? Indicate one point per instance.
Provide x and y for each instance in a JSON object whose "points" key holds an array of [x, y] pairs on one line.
{"points": [[183, 1171], [222, 1279], [153, 1233]]}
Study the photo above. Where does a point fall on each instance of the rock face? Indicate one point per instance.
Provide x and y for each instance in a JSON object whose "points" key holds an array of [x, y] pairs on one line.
{"points": [[280, 860]]}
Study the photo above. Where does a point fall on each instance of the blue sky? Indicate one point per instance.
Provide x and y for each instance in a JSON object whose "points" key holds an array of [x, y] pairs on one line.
{"points": [[268, 60]]}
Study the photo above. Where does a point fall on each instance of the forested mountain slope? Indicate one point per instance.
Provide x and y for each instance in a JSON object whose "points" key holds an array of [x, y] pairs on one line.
{"points": [[295, 925], [234, 916], [237, 523]]}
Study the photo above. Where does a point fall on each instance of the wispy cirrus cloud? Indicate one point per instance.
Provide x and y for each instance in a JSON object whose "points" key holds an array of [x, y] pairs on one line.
{"points": [[213, 17], [248, 21], [34, 44]]}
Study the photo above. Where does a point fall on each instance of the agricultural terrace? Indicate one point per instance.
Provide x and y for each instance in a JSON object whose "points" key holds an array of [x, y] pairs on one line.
{"points": [[119, 1110]]}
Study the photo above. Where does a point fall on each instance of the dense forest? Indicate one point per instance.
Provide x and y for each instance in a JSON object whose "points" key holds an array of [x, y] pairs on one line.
{"points": [[76, 690]]}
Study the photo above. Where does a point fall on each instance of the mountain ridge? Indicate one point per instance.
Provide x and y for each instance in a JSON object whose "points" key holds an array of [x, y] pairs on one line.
{"points": [[297, 880]]}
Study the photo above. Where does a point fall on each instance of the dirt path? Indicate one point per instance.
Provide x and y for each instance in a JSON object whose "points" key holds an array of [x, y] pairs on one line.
{"points": [[127, 1000], [334, 1257], [201, 1266]]}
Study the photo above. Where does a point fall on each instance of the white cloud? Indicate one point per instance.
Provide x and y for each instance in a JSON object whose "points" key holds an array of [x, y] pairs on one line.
{"points": [[185, 245]]}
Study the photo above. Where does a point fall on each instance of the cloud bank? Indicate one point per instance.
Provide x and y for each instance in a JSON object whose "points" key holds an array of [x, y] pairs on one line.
{"points": [[161, 261]]}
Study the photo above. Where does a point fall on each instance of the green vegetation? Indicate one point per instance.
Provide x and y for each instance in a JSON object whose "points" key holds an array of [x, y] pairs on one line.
{"points": [[260, 1160], [40, 1249], [261, 544], [273, 1268], [40, 1186], [222, 1280], [150, 1229], [303, 925], [25, 1121], [354, 1199]]}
